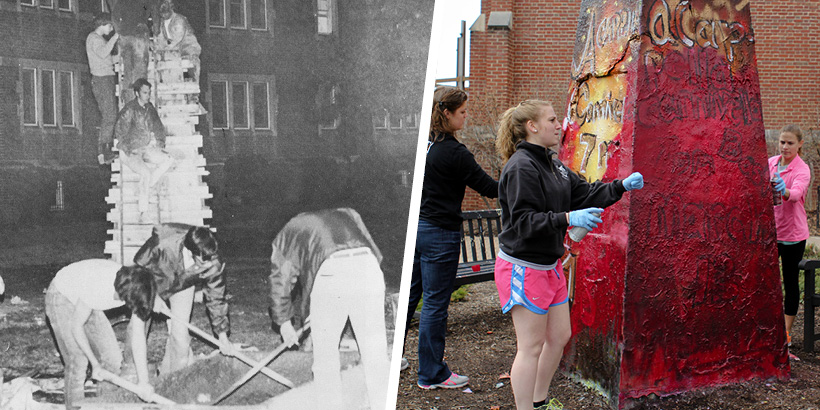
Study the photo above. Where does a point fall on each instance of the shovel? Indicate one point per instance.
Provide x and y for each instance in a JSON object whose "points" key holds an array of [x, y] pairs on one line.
{"points": [[239, 355], [125, 384]]}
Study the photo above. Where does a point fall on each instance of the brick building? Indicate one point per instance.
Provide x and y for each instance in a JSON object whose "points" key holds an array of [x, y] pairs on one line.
{"points": [[531, 58]]}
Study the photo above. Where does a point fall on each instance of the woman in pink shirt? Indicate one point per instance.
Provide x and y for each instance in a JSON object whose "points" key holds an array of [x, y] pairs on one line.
{"points": [[791, 176]]}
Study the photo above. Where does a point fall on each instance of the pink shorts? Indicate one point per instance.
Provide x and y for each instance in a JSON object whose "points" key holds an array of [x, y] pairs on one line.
{"points": [[532, 288]]}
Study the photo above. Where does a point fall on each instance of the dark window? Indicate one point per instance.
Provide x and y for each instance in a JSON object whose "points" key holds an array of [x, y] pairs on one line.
{"points": [[240, 104], [49, 4], [216, 11], [66, 98], [48, 97], [258, 15], [64, 4], [219, 102], [237, 13], [29, 96], [261, 105]]}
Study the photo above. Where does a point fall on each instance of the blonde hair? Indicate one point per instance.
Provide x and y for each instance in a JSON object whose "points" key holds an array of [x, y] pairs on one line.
{"points": [[794, 129], [445, 98], [512, 125]]}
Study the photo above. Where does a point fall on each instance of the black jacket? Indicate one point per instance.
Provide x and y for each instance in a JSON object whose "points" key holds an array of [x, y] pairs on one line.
{"points": [[450, 168], [536, 192]]}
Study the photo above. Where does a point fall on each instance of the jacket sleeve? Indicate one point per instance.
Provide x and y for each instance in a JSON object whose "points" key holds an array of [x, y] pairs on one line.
{"points": [[215, 302], [99, 46], [800, 184], [597, 194], [123, 128], [282, 279], [150, 256], [526, 205], [474, 176]]}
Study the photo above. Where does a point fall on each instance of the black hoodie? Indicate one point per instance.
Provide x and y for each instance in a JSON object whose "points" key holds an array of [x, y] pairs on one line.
{"points": [[449, 169], [536, 191]]}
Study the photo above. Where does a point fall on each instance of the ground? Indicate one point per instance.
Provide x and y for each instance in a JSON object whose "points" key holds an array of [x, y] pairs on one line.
{"points": [[481, 345]]}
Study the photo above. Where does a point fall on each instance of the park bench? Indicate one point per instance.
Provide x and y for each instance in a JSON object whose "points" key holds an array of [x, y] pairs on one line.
{"points": [[811, 300], [479, 242]]}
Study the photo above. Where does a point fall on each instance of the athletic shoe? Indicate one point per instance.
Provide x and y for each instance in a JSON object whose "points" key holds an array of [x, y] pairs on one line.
{"points": [[404, 364], [789, 338], [453, 382]]}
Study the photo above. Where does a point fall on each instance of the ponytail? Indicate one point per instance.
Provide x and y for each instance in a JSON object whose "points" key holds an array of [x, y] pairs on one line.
{"points": [[512, 126]]}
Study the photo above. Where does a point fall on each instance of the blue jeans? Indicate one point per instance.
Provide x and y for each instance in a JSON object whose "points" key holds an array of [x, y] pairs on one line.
{"points": [[434, 270]]}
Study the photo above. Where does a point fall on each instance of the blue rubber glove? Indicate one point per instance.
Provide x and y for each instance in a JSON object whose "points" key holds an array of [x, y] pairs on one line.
{"points": [[634, 181], [779, 184], [585, 218]]}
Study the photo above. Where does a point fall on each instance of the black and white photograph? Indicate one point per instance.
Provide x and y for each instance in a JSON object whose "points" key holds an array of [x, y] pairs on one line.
{"points": [[205, 203]]}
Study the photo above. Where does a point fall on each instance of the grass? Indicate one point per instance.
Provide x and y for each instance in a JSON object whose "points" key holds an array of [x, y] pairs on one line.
{"points": [[458, 295]]}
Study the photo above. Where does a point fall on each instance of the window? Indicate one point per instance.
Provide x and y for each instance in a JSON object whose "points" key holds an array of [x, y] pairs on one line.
{"points": [[49, 104], [47, 4], [395, 122], [237, 13], [29, 80], [261, 106], [325, 15], [219, 104], [258, 15], [242, 102], [380, 119], [411, 121], [104, 6], [64, 5], [216, 12], [48, 93], [239, 103], [66, 98]]}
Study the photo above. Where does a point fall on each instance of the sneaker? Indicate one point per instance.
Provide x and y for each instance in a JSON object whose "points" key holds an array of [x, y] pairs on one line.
{"points": [[453, 382], [789, 339], [404, 364], [554, 404]]}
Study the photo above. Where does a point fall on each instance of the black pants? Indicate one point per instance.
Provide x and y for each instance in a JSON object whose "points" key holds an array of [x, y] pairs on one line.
{"points": [[790, 256]]}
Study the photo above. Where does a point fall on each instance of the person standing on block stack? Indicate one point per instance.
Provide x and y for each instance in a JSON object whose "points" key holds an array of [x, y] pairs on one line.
{"points": [[101, 65], [141, 141]]}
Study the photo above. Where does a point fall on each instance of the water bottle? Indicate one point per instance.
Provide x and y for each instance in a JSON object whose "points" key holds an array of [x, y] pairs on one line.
{"points": [[577, 233], [776, 195]]}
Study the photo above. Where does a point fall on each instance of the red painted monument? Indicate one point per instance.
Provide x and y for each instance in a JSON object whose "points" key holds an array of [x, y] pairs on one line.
{"points": [[680, 287]]}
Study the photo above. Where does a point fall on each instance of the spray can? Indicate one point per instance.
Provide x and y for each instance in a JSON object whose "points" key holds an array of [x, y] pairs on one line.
{"points": [[577, 233], [776, 195]]}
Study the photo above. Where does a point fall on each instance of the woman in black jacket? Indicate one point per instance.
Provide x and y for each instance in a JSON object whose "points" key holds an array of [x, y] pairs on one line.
{"points": [[449, 169], [539, 199]]}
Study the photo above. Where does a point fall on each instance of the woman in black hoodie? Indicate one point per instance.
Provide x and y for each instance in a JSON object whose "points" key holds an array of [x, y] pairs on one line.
{"points": [[449, 169], [539, 199]]}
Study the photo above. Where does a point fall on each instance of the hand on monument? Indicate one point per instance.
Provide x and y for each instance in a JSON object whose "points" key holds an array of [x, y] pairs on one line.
{"points": [[634, 181]]}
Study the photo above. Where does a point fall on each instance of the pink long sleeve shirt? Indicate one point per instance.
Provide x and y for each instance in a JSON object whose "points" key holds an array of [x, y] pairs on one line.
{"points": [[790, 217]]}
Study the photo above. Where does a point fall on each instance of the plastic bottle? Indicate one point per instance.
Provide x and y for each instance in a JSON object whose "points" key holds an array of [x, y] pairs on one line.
{"points": [[776, 195], [577, 233]]}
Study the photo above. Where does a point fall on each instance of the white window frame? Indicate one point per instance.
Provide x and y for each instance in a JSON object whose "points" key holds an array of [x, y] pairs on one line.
{"points": [[265, 13], [249, 81], [70, 8], [253, 102], [390, 119], [54, 97], [228, 16], [72, 98], [412, 121], [330, 15], [381, 122], [56, 68], [34, 76], [224, 14], [104, 6]]}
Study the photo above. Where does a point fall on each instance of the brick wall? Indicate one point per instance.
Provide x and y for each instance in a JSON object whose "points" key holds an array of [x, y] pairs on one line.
{"points": [[532, 60]]}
